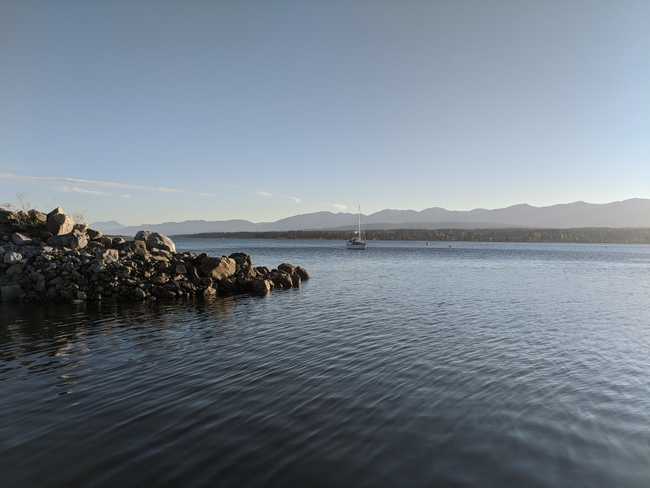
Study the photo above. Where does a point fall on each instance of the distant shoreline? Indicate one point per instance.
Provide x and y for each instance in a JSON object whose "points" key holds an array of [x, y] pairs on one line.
{"points": [[587, 235]]}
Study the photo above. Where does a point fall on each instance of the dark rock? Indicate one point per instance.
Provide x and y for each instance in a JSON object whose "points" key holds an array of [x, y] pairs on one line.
{"points": [[21, 239], [243, 261], [7, 216], [260, 287], [287, 268], [11, 293], [302, 272], [93, 234]]}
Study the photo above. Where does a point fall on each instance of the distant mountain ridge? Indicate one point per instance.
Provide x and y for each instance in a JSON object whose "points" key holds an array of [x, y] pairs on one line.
{"points": [[634, 212]]}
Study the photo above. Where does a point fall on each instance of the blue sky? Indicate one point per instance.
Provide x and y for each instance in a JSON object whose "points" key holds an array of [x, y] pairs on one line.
{"points": [[154, 111]]}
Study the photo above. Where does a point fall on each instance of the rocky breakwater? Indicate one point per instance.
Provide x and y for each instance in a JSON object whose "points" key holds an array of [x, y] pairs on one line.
{"points": [[50, 258]]}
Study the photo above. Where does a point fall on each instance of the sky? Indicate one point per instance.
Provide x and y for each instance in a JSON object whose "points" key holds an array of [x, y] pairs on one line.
{"points": [[151, 111]]}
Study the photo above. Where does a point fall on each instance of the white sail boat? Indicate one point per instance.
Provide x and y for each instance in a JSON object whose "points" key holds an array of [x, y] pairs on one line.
{"points": [[357, 242]]}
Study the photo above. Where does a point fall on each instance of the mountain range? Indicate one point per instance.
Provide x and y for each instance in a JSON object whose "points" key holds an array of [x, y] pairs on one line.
{"points": [[634, 212]]}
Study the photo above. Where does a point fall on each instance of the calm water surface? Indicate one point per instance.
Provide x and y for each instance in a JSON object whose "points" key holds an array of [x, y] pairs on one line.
{"points": [[404, 365]]}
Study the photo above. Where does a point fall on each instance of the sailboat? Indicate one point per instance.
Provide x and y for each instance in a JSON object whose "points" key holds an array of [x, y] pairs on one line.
{"points": [[357, 242]]}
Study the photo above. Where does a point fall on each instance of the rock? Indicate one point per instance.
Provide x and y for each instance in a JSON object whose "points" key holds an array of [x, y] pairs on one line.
{"points": [[7, 216], [12, 258], [78, 240], [180, 268], [14, 269], [140, 248], [160, 241], [281, 279], [11, 293], [21, 239], [139, 294], [95, 246], [58, 223], [106, 241], [142, 235], [302, 272], [110, 255], [244, 262], [260, 287], [209, 292], [37, 218], [93, 234], [116, 242], [216, 268], [75, 240], [287, 268], [80, 227]]}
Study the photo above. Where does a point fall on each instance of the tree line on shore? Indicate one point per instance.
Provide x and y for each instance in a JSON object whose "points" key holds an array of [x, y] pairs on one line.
{"points": [[590, 235]]}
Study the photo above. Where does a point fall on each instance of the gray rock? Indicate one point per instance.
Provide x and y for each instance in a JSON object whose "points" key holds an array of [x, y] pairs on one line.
{"points": [[58, 223], [12, 258], [216, 268], [160, 241], [21, 239], [78, 240]]}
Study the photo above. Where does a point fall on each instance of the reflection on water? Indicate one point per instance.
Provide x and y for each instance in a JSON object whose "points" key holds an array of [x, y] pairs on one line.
{"points": [[404, 365]]}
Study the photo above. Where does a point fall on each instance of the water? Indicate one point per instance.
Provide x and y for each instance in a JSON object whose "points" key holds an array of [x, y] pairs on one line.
{"points": [[404, 365]]}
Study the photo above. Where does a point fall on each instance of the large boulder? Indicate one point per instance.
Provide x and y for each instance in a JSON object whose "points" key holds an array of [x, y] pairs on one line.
{"points": [[75, 240], [58, 223], [216, 268], [160, 241]]}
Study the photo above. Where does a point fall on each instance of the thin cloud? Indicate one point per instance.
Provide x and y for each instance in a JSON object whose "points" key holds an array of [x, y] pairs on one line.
{"points": [[76, 189], [207, 195], [265, 194], [340, 206], [295, 199], [93, 183]]}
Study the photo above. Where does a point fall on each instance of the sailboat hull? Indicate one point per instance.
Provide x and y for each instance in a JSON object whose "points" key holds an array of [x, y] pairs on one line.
{"points": [[358, 245]]}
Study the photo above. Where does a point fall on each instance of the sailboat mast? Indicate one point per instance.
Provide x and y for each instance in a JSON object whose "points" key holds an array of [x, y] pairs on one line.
{"points": [[359, 228]]}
